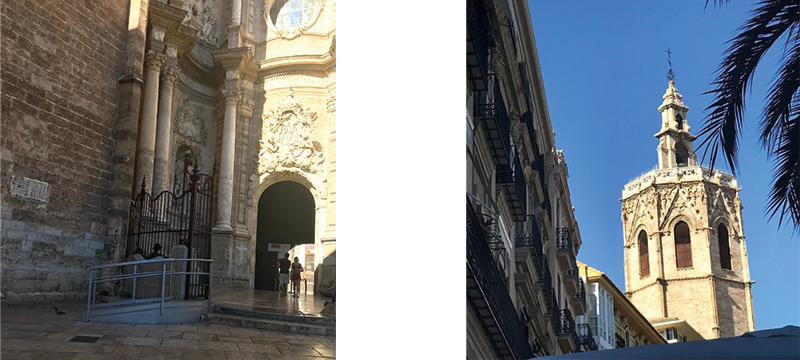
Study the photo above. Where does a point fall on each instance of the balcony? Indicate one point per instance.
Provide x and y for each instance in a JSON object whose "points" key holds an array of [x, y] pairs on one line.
{"points": [[488, 294], [545, 281], [571, 281], [530, 239], [585, 339], [539, 166], [512, 181], [564, 253], [490, 109], [479, 41], [579, 299], [567, 338]]}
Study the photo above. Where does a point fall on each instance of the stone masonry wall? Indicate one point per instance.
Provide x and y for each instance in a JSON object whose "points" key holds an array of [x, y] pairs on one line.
{"points": [[648, 301], [731, 308], [61, 61], [690, 300]]}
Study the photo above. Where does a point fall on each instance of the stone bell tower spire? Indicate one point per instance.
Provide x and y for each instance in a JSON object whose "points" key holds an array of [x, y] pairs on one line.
{"points": [[676, 147], [685, 255]]}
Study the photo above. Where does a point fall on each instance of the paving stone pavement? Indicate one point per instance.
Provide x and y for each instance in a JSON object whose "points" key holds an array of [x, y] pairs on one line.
{"points": [[36, 332]]}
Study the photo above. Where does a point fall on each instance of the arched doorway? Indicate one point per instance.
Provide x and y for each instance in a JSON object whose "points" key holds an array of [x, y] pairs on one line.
{"points": [[285, 216]]}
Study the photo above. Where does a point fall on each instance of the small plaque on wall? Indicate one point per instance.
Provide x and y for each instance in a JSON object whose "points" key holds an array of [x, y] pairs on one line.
{"points": [[29, 189]]}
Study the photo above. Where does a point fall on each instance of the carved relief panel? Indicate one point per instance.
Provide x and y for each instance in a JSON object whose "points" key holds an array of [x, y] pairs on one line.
{"points": [[288, 139]]}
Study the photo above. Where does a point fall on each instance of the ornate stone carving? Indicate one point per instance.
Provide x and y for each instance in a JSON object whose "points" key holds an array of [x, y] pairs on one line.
{"points": [[189, 126], [154, 61], [232, 96], [192, 18], [169, 74], [247, 107], [208, 32], [331, 103], [287, 139]]}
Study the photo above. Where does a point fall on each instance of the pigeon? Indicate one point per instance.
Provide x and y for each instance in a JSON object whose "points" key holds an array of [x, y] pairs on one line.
{"points": [[58, 312]]}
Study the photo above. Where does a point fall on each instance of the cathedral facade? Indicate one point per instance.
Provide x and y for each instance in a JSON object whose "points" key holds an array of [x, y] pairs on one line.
{"points": [[685, 254], [103, 100]]}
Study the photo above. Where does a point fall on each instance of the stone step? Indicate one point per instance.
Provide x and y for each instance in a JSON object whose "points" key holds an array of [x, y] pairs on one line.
{"points": [[294, 327], [267, 314]]}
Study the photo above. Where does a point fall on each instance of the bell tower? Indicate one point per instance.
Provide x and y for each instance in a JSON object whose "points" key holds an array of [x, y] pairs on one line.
{"points": [[685, 256], [675, 148]]}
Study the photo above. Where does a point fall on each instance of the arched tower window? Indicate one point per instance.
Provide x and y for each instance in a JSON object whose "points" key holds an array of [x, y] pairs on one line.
{"points": [[724, 247], [683, 246], [679, 121], [681, 155], [644, 257]]}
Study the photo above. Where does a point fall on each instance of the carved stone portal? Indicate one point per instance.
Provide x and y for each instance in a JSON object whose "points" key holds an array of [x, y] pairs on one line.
{"points": [[287, 139]]}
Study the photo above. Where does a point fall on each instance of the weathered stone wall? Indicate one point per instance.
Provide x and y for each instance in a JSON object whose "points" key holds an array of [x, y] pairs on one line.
{"points": [[691, 300], [731, 308], [61, 61], [648, 301]]}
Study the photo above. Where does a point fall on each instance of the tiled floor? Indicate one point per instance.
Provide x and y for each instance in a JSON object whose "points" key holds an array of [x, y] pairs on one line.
{"points": [[260, 300], [38, 333]]}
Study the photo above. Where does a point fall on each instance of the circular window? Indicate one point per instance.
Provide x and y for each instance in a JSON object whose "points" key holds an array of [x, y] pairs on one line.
{"points": [[289, 18]]}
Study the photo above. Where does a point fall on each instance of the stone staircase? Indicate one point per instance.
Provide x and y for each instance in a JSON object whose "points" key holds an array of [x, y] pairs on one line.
{"points": [[307, 324]]}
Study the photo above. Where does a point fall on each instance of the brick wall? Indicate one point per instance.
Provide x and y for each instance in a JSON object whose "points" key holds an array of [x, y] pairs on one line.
{"points": [[60, 65]]}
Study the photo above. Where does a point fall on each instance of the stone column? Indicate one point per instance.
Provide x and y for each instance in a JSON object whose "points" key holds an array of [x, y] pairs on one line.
{"points": [[236, 12], [147, 128], [225, 200], [164, 131]]}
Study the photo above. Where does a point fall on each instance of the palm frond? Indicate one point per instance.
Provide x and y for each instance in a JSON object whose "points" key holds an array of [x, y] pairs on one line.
{"points": [[723, 124], [781, 96], [716, 2], [785, 194]]}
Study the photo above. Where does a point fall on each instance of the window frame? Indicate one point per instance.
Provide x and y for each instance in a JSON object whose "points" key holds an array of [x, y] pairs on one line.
{"points": [[644, 256], [683, 245], [726, 259]]}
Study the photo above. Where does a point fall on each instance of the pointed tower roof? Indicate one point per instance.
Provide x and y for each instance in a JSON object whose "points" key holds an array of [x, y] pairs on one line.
{"points": [[672, 97]]}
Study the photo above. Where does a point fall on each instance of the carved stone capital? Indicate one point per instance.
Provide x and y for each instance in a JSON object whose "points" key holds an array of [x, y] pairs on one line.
{"points": [[154, 61], [169, 74], [232, 96]]}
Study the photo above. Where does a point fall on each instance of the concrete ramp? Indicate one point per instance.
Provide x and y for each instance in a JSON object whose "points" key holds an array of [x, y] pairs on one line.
{"points": [[148, 311]]}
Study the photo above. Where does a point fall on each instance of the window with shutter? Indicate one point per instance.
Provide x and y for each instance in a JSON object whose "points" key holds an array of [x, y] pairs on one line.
{"points": [[644, 257], [724, 247], [683, 246]]}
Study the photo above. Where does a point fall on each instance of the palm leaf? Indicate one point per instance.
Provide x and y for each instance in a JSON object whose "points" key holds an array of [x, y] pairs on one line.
{"points": [[723, 123], [781, 97], [780, 134], [785, 194]]}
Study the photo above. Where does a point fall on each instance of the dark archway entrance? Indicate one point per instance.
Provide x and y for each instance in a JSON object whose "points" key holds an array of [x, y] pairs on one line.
{"points": [[285, 216]]}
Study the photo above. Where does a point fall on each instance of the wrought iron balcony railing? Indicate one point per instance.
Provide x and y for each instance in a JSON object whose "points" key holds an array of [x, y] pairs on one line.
{"points": [[539, 166], [512, 181], [490, 108], [491, 293], [479, 40], [531, 238], [563, 240], [546, 280], [585, 337], [581, 290], [568, 324]]}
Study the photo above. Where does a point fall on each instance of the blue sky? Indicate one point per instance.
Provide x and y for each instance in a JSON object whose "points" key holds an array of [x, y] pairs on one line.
{"points": [[604, 65]]}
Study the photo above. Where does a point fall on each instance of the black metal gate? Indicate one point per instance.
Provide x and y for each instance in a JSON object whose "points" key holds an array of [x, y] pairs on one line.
{"points": [[172, 219]]}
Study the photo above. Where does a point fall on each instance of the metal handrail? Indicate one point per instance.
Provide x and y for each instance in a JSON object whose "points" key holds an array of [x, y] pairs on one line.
{"points": [[93, 281]]}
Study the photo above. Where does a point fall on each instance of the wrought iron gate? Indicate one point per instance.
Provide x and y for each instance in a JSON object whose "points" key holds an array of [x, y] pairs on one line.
{"points": [[172, 219]]}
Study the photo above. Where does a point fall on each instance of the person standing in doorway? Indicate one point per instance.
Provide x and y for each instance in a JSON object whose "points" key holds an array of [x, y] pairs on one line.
{"points": [[297, 270], [283, 267]]}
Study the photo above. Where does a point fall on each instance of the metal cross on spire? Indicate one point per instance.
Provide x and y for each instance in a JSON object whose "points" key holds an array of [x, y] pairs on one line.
{"points": [[670, 74]]}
